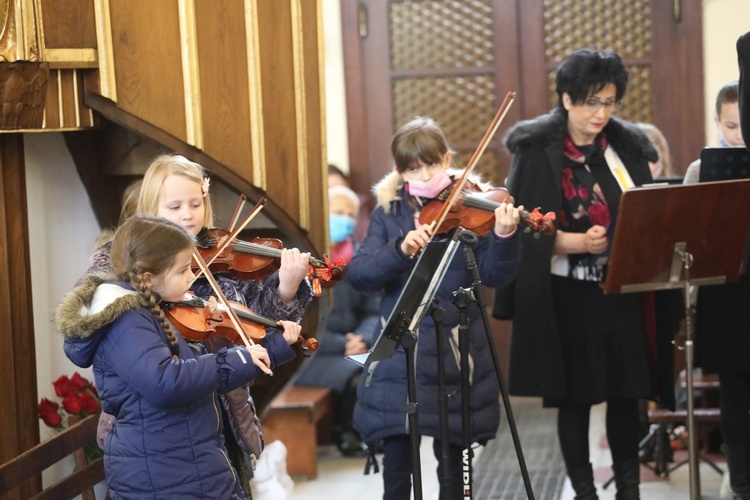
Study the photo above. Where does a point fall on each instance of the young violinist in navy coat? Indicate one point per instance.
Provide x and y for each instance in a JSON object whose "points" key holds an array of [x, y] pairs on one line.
{"points": [[383, 262]]}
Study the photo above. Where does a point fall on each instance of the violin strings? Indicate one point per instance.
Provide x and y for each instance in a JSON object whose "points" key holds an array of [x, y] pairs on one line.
{"points": [[262, 251]]}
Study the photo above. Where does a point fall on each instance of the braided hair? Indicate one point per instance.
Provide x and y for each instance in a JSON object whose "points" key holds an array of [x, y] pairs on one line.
{"points": [[146, 243]]}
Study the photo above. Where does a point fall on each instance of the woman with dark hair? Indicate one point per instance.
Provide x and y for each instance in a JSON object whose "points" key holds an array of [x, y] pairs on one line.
{"points": [[571, 344]]}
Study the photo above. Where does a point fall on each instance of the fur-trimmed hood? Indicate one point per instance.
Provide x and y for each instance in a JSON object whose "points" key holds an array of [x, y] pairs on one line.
{"points": [[93, 305], [554, 126], [388, 189]]}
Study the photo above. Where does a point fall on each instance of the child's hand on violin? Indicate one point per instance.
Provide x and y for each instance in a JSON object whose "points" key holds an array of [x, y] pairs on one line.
{"points": [[260, 358], [507, 218], [415, 239], [291, 331], [294, 267]]}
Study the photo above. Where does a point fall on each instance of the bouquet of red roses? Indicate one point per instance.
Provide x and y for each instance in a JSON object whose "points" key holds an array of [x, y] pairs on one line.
{"points": [[79, 398]]}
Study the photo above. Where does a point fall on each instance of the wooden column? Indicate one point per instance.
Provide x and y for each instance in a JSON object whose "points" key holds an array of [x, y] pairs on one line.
{"points": [[18, 394]]}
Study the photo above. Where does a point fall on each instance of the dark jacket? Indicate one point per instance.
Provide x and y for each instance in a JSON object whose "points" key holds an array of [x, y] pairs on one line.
{"points": [[354, 312], [262, 297], [536, 363], [743, 56], [380, 265], [167, 441]]}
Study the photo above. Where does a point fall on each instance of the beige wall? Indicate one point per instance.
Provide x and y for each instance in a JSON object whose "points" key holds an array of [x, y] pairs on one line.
{"points": [[62, 234], [337, 138], [723, 22]]}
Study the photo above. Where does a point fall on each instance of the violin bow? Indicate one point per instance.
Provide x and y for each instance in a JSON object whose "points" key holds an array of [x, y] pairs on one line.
{"points": [[456, 192], [229, 239], [237, 211], [223, 300]]}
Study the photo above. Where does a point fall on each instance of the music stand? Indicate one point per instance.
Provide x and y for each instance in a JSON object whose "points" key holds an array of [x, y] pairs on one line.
{"points": [[674, 237], [400, 329], [724, 164]]}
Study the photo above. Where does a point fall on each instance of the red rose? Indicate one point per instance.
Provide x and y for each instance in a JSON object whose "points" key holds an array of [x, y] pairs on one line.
{"points": [[79, 383], [72, 403], [583, 194], [89, 404], [93, 390], [48, 412], [63, 386], [599, 214]]}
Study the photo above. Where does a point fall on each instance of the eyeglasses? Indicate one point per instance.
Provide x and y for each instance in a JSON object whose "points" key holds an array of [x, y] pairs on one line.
{"points": [[593, 105]]}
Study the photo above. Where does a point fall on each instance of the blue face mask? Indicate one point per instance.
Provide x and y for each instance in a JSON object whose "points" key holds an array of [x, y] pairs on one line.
{"points": [[341, 227]]}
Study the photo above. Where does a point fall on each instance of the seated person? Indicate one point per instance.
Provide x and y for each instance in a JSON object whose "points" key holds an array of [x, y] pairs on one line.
{"points": [[727, 121], [351, 328]]}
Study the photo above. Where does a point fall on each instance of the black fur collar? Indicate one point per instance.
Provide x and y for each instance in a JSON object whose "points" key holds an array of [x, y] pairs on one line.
{"points": [[554, 126]]}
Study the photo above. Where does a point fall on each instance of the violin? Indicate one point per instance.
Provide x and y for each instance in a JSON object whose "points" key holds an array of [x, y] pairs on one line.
{"points": [[254, 260], [199, 320], [474, 210]]}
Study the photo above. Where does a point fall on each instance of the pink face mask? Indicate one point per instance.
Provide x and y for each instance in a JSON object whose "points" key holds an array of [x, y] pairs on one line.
{"points": [[431, 188]]}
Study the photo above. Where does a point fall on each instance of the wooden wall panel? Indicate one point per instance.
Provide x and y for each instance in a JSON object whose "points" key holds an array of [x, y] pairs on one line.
{"points": [[64, 106], [17, 359], [148, 63], [52, 118], [317, 163], [69, 24], [279, 108], [224, 93], [67, 83]]}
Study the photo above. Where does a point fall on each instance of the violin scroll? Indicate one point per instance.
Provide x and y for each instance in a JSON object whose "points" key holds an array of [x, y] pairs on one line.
{"points": [[538, 222]]}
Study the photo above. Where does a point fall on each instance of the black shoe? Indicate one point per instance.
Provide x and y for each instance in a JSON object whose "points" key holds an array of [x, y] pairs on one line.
{"points": [[627, 479], [582, 480], [349, 444], [739, 473]]}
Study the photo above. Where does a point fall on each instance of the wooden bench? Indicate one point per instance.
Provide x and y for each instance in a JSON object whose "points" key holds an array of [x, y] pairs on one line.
{"points": [[70, 441], [293, 419]]}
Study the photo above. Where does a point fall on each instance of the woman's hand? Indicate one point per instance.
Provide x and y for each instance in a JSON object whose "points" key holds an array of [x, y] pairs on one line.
{"points": [[355, 344], [291, 331], [294, 267], [506, 218], [260, 358], [595, 239], [416, 238]]}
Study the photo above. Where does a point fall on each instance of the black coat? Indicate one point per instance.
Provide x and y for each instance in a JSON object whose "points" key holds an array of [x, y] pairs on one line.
{"points": [[535, 180], [743, 55]]}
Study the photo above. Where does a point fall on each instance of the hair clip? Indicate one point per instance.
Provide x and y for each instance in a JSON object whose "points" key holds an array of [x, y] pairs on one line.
{"points": [[204, 186]]}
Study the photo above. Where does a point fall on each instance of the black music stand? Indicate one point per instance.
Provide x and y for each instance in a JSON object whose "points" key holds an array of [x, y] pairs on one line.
{"points": [[411, 307], [674, 237]]}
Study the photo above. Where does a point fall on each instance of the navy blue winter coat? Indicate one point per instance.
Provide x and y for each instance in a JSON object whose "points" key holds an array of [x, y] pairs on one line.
{"points": [[382, 392], [167, 441]]}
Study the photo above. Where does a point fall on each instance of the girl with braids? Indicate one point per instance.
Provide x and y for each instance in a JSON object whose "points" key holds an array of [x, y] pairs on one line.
{"points": [[168, 441], [178, 189]]}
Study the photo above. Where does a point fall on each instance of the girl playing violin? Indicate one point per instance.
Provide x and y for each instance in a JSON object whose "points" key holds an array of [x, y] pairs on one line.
{"points": [[168, 440], [178, 189], [422, 159]]}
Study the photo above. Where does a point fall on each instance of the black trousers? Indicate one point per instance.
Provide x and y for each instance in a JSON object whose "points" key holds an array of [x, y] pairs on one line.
{"points": [[398, 468]]}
